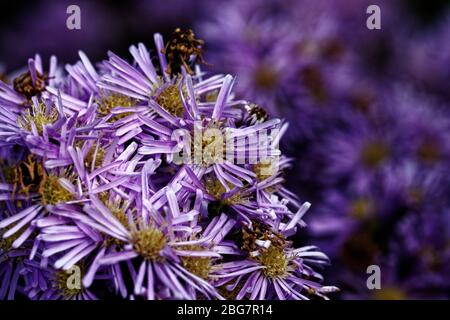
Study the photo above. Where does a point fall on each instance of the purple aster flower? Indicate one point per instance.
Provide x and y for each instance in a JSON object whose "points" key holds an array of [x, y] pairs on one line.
{"points": [[357, 153], [43, 282], [28, 190], [273, 268]]}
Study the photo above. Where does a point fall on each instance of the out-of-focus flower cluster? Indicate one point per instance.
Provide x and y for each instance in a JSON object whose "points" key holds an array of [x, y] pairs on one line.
{"points": [[371, 133], [94, 205]]}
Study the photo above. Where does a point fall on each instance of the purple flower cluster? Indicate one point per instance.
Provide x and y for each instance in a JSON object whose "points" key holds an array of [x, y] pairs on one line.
{"points": [[94, 205], [371, 134]]}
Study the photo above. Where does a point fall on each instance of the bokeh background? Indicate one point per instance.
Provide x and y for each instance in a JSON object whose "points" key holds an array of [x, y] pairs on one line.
{"points": [[369, 112]]}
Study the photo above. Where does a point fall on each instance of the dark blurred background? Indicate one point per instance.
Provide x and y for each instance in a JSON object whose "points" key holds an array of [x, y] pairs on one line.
{"points": [[369, 110], [30, 27]]}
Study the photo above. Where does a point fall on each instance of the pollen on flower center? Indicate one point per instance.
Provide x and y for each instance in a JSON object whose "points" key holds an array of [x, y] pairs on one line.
{"points": [[170, 100], [374, 153], [215, 189], [149, 242], [212, 151], [275, 261], [117, 208], [52, 192], [111, 101], [272, 255], [39, 115], [200, 266]]}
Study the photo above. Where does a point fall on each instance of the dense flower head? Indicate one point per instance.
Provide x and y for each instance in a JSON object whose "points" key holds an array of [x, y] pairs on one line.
{"points": [[147, 180]]}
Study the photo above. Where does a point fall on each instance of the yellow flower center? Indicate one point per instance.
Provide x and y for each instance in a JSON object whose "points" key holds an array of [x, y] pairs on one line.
{"points": [[275, 261], [149, 242], [170, 100], [111, 101], [39, 115], [200, 266], [52, 192], [118, 210], [215, 189], [274, 257]]}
